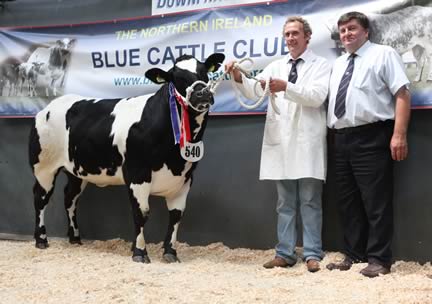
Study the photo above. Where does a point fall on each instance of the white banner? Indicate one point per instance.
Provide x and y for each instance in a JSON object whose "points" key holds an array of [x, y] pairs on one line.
{"points": [[109, 59]]}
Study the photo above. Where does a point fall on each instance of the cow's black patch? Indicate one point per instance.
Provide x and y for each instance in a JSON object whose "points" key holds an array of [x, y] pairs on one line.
{"points": [[90, 143], [150, 141], [34, 146]]}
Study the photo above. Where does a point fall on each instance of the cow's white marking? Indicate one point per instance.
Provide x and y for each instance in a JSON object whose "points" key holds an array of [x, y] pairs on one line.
{"points": [[179, 200], [190, 65], [45, 178], [126, 113], [42, 217], [71, 210], [140, 241], [141, 192], [164, 183], [53, 150], [174, 236], [199, 119]]}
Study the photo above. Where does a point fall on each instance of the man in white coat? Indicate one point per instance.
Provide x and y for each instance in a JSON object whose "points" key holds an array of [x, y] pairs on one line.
{"points": [[294, 143]]}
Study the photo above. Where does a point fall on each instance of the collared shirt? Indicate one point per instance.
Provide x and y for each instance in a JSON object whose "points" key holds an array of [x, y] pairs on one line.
{"points": [[378, 74]]}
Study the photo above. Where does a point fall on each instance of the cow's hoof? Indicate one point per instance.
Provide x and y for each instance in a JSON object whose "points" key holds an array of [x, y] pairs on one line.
{"points": [[141, 259], [75, 240], [42, 245], [170, 258]]}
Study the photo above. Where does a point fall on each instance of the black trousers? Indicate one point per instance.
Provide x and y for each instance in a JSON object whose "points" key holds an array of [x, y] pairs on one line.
{"points": [[364, 185]]}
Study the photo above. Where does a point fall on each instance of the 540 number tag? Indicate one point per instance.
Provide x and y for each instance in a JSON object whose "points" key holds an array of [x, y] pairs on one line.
{"points": [[192, 152]]}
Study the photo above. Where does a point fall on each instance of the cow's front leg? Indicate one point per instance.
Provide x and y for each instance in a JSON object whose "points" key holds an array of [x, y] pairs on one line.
{"points": [[53, 86], [419, 55], [176, 206], [72, 191], [139, 194], [428, 60]]}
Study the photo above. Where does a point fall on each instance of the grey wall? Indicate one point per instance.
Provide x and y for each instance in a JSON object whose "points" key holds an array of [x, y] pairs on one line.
{"points": [[47, 12], [227, 203]]}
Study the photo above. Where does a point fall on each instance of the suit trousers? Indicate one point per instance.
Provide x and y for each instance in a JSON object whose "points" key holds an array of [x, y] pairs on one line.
{"points": [[364, 185]]}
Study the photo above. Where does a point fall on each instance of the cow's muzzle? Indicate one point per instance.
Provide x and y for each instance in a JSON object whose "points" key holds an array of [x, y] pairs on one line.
{"points": [[199, 97]]}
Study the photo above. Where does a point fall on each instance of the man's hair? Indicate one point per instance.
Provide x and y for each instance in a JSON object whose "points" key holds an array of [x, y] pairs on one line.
{"points": [[306, 27], [361, 18]]}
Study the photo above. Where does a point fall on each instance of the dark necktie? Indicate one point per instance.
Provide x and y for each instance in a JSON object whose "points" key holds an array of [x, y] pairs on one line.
{"points": [[292, 77], [339, 110]]}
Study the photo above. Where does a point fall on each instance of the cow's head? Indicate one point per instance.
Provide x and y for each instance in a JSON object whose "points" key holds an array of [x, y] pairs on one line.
{"points": [[65, 44], [190, 79]]}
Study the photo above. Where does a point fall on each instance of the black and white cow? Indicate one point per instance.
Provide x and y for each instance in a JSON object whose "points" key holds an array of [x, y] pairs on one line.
{"points": [[9, 78], [56, 67], [28, 72], [407, 29], [123, 141]]}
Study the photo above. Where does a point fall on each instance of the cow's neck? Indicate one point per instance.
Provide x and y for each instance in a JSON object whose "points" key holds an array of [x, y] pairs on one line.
{"points": [[197, 120], [197, 123]]}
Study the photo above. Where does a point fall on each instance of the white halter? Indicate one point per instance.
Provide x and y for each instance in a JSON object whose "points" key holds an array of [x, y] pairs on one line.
{"points": [[214, 84]]}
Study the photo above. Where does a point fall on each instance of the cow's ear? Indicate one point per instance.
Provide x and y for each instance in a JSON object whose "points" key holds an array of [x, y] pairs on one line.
{"points": [[158, 76], [214, 61]]}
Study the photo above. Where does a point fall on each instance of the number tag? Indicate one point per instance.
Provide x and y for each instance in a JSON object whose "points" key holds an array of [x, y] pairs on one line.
{"points": [[192, 152]]}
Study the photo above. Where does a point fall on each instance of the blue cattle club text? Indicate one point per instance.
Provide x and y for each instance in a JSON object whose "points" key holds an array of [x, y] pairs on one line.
{"points": [[269, 47]]}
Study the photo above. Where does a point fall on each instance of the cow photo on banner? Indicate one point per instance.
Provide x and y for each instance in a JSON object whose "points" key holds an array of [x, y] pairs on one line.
{"points": [[108, 59]]}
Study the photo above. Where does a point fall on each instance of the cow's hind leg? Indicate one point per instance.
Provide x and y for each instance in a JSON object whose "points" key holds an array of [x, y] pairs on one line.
{"points": [[176, 206], [73, 189], [139, 194], [42, 193], [45, 174]]}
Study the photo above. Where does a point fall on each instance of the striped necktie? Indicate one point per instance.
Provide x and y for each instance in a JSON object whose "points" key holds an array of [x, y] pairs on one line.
{"points": [[339, 110], [292, 77]]}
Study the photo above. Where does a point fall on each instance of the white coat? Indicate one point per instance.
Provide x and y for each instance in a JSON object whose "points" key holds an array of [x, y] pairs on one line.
{"points": [[294, 142]]}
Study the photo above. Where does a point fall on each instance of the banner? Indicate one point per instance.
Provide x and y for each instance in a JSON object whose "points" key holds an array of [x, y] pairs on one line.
{"points": [[161, 7], [109, 59]]}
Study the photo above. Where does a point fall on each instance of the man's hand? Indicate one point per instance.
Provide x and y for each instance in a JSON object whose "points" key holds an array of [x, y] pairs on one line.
{"points": [[399, 147], [276, 85], [229, 68], [398, 143]]}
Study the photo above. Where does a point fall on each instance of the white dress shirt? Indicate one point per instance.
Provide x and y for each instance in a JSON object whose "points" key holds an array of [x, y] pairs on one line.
{"points": [[378, 74], [294, 142]]}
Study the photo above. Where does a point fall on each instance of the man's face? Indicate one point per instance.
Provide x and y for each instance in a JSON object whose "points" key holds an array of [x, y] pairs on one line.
{"points": [[352, 35], [295, 38]]}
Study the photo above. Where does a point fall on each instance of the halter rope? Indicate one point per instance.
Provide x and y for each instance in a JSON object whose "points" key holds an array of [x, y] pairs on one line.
{"points": [[247, 72]]}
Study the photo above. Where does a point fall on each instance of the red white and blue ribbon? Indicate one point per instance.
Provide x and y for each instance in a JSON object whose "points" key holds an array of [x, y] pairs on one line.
{"points": [[181, 128]]}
